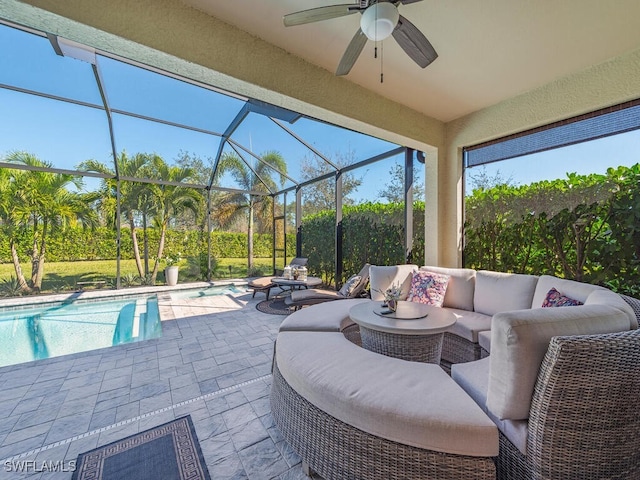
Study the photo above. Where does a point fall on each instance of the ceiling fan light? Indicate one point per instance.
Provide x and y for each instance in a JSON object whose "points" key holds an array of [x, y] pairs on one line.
{"points": [[379, 20]]}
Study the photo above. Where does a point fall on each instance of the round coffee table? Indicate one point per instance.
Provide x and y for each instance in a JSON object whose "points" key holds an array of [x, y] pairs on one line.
{"points": [[414, 332], [286, 285]]}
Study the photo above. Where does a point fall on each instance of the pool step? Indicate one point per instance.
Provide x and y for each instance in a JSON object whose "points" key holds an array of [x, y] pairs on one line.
{"points": [[141, 309]]}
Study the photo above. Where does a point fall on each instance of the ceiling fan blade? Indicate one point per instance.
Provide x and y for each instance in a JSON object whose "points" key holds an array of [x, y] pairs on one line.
{"points": [[414, 43], [352, 53], [407, 2], [318, 14]]}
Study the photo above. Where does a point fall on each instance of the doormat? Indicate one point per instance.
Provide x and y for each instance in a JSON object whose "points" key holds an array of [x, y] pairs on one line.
{"points": [[169, 451]]}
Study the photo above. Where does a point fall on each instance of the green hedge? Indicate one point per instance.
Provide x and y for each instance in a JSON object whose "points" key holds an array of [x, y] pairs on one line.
{"points": [[372, 233], [75, 244]]}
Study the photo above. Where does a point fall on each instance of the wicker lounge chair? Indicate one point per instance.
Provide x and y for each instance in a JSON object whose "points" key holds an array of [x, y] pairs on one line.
{"points": [[311, 296], [265, 284], [583, 421]]}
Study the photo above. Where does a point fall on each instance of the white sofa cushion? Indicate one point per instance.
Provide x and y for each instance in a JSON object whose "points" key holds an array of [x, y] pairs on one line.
{"points": [[607, 297], [411, 403], [576, 290], [382, 277], [468, 324], [519, 341], [461, 287], [502, 292], [473, 377], [484, 340], [324, 317]]}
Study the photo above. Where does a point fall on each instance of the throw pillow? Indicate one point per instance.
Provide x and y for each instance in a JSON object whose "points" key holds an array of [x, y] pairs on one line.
{"points": [[428, 287], [350, 285], [555, 299]]}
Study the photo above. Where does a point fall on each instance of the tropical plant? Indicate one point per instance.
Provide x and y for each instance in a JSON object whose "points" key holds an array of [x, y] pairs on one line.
{"points": [[250, 178], [38, 202], [130, 194], [169, 199]]}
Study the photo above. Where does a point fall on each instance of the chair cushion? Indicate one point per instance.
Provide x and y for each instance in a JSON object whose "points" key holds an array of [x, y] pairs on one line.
{"points": [[382, 277], [519, 341], [326, 317], [301, 296], [262, 282], [411, 403], [461, 286], [350, 285], [501, 292], [473, 377], [469, 324], [484, 340], [555, 299], [428, 288]]}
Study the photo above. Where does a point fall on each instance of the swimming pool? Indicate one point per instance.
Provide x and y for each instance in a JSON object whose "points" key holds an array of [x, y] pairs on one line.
{"points": [[60, 328]]}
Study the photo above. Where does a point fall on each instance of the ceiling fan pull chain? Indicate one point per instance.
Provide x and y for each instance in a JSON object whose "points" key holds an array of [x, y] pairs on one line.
{"points": [[381, 62]]}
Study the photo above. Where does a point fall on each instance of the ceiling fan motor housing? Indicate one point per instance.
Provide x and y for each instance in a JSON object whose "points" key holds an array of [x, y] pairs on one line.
{"points": [[379, 20]]}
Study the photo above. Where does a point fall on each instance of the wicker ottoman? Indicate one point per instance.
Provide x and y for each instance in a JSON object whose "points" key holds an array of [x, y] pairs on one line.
{"points": [[352, 413]]}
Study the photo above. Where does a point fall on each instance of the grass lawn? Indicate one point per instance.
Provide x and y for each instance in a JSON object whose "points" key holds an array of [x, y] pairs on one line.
{"points": [[60, 276]]}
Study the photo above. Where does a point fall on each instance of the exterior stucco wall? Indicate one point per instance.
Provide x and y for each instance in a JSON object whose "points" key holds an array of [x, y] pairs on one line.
{"points": [[606, 84]]}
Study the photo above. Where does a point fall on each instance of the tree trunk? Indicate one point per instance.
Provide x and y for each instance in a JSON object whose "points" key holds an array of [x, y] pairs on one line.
{"points": [[16, 265], [250, 240], [37, 281], [156, 265], [134, 241], [34, 253], [146, 243]]}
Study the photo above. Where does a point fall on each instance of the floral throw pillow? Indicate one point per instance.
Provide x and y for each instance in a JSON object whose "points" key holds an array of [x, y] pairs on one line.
{"points": [[350, 285], [428, 288], [555, 299]]}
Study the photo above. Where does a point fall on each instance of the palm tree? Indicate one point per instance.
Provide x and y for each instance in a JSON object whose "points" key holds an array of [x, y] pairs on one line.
{"points": [[41, 203], [131, 194], [258, 178], [169, 201]]}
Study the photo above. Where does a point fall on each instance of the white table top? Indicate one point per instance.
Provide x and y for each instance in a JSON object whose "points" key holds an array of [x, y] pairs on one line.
{"points": [[437, 319]]}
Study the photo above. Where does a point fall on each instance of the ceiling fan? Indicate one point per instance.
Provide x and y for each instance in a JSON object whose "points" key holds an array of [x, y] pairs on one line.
{"points": [[380, 18]]}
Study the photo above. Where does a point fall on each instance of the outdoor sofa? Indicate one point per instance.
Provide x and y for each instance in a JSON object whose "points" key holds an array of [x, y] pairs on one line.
{"points": [[555, 399]]}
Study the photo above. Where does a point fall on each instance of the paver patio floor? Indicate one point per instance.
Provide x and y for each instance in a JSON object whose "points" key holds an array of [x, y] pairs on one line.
{"points": [[213, 362]]}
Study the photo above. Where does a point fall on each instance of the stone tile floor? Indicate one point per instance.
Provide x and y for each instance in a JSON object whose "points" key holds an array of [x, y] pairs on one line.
{"points": [[213, 362]]}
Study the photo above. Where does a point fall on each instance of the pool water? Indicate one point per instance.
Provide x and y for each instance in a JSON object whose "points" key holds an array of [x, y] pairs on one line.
{"points": [[40, 332], [207, 292]]}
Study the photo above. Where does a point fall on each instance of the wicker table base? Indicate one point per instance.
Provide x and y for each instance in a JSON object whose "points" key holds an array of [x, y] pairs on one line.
{"points": [[415, 348]]}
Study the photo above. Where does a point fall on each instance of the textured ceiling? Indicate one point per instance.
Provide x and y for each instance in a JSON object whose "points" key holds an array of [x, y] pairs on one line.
{"points": [[489, 50]]}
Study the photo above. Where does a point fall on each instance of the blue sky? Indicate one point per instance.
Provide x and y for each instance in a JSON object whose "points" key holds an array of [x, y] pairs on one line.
{"points": [[66, 134]]}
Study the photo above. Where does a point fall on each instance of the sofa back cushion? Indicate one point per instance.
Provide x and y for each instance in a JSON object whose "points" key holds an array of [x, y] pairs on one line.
{"points": [[583, 292], [501, 292], [519, 341], [461, 286], [576, 290], [382, 277]]}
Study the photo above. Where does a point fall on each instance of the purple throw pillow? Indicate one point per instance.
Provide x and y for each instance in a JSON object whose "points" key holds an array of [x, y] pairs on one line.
{"points": [[555, 299]]}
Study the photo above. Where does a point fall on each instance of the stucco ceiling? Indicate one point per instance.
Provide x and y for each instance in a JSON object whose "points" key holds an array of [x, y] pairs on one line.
{"points": [[489, 50]]}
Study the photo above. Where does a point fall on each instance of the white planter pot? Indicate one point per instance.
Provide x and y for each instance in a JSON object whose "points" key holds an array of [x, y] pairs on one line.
{"points": [[171, 275]]}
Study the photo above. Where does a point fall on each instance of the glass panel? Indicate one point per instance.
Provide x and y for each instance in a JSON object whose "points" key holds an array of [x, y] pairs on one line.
{"points": [[571, 212], [134, 89], [261, 135], [342, 146], [318, 229], [63, 134], [29, 61], [172, 144]]}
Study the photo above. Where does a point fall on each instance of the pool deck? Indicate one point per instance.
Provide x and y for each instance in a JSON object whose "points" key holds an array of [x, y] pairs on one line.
{"points": [[212, 362]]}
